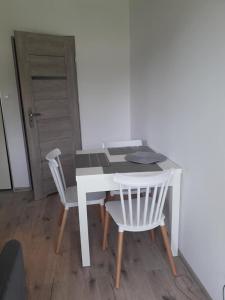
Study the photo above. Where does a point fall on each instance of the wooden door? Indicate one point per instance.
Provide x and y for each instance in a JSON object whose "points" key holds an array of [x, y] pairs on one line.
{"points": [[48, 84]]}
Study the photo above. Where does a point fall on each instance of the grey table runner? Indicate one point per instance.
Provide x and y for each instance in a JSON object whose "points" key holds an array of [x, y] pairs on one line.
{"points": [[91, 160], [128, 150], [101, 160], [129, 167]]}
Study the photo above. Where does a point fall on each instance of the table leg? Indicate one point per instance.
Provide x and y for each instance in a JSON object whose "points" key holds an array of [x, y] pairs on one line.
{"points": [[83, 223], [175, 213]]}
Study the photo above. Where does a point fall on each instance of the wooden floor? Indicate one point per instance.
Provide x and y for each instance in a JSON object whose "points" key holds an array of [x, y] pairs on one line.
{"points": [[145, 270]]}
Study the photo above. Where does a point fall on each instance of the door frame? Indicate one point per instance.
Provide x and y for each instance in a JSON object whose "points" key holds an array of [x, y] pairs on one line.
{"points": [[21, 111], [26, 131]]}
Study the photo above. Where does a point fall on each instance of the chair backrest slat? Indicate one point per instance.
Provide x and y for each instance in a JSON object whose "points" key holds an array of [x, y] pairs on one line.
{"points": [[152, 210], [123, 205], [130, 205], [161, 188], [149, 210], [61, 173], [138, 206], [55, 166], [146, 205], [163, 198]]}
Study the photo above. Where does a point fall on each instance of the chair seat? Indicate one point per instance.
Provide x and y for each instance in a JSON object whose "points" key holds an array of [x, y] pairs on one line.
{"points": [[92, 198], [115, 210]]}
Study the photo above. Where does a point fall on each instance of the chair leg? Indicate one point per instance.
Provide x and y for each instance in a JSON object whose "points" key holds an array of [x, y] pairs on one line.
{"points": [[102, 214], [106, 230], [152, 235], [61, 215], [168, 249], [108, 196], [119, 258], [61, 231]]}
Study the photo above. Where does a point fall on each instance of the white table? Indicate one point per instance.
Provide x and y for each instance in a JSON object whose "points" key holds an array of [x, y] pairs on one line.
{"points": [[93, 179]]}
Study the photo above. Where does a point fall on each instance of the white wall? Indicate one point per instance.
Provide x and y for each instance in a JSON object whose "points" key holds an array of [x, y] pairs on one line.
{"points": [[178, 105], [101, 29], [5, 182]]}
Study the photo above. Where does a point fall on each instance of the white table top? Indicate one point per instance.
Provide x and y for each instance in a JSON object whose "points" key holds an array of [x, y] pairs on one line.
{"points": [[165, 165]]}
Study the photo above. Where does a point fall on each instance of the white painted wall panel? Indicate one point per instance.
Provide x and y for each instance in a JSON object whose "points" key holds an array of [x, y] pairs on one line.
{"points": [[101, 29], [4, 165], [178, 105]]}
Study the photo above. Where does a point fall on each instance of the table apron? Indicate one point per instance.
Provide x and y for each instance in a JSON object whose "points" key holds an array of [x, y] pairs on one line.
{"points": [[104, 182]]}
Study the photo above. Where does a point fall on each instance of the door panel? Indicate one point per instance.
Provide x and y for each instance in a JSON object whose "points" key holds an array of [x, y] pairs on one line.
{"points": [[49, 89], [50, 130], [48, 81], [65, 146], [46, 65], [52, 109], [44, 44]]}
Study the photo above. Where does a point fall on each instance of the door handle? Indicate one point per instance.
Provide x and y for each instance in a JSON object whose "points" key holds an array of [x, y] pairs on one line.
{"points": [[31, 116]]}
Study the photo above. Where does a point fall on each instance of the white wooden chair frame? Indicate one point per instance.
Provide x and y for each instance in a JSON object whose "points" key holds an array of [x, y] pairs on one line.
{"points": [[118, 144], [68, 195], [140, 213], [128, 143]]}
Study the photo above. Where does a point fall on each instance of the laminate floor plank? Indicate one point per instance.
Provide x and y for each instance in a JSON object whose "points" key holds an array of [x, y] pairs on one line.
{"points": [[145, 275]]}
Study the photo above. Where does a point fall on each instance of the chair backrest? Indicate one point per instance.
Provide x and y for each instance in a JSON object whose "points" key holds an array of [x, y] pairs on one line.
{"points": [[57, 172], [129, 143], [144, 211]]}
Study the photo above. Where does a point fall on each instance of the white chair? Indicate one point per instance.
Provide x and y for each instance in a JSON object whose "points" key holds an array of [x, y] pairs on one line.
{"points": [[139, 214], [128, 143], [68, 195], [121, 144]]}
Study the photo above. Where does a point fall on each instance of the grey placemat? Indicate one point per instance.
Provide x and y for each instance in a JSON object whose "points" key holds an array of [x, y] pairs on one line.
{"points": [[91, 160], [127, 150], [129, 167], [144, 157]]}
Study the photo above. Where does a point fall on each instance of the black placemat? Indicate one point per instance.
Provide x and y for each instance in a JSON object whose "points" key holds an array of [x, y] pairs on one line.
{"points": [[127, 150], [91, 160], [129, 167]]}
